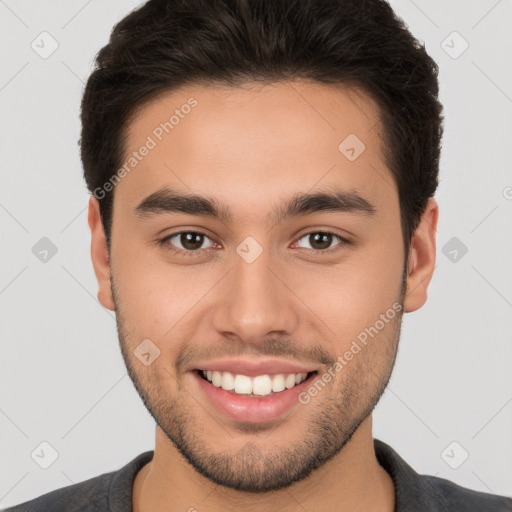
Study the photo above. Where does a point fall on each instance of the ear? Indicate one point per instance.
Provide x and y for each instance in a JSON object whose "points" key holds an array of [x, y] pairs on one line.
{"points": [[422, 258], [99, 255]]}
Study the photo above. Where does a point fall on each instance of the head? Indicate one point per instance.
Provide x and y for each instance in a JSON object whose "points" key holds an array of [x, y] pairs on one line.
{"points": [[298, 143]]}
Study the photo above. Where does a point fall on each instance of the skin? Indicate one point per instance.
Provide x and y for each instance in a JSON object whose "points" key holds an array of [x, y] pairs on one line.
{"points": [[252, 148]]}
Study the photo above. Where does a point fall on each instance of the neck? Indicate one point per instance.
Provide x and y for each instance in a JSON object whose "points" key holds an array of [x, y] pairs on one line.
{"points": [[352, 480]]}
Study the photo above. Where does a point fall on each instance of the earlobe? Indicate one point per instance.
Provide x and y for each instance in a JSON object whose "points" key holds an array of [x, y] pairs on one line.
{"points": [[99, 255], [422, 258]]}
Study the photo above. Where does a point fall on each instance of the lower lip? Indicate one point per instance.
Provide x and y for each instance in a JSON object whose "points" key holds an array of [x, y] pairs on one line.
{"points": [[248, 409]]}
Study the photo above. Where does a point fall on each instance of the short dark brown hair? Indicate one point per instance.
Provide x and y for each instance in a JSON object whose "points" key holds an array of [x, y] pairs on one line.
{"points": [[165, 44]]}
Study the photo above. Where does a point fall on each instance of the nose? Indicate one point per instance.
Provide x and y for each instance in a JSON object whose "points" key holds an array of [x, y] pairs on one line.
{"points": [[254, 301]]}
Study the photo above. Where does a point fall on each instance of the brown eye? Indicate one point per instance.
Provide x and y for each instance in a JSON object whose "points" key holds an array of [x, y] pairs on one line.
{"points": [[322, 240], [186, 241]]}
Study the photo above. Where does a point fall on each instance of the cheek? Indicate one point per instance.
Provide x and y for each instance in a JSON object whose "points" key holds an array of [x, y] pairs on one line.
{"points": [[148, 296], [161, 301], [154, 305], [352, 296]]}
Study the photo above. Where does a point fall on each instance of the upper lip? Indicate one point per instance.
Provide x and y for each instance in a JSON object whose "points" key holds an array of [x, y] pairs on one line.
{"points": [[254, 368]]}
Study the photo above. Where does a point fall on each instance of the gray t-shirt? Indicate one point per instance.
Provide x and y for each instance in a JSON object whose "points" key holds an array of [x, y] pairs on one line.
{"points": [[112, 492]]}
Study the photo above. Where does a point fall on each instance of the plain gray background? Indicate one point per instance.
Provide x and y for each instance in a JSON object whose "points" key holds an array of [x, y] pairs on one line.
{"points": [[63, 380]]}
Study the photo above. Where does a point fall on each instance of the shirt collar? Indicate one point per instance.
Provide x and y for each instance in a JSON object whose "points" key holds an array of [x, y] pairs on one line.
{"points": [[412, 491]]}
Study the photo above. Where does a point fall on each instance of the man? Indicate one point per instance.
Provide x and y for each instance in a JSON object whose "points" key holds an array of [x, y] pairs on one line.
{"points": [[262, 214]]}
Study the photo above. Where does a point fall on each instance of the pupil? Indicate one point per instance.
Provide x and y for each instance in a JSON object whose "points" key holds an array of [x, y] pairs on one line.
{"points": [[318, 236], [187, 240]]}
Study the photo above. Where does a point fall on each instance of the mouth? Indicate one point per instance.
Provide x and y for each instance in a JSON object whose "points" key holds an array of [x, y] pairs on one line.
{"points": [[258, 386], [253, 399]]}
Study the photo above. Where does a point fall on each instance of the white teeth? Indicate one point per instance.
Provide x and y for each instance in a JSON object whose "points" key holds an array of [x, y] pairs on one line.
{"points": [[262, 385], [217, 379], [278, 383], [290, 381], [228, 381], [243, 385]]}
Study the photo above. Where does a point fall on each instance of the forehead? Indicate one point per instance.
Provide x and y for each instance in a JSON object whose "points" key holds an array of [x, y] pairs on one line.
{"points": [[250, 144]]}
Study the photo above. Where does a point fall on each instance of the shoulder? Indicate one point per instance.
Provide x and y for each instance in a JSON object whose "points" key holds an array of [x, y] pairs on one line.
{"points": [[89, 495], [462, 499], [426, 493], [108, 492]]}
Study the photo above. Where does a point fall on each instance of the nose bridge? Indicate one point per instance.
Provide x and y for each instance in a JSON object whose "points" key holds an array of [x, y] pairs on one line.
{"points": [[254, 301]]}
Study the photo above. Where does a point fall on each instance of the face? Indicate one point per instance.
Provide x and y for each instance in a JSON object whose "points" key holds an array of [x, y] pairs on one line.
{"points": [[288, 264]]}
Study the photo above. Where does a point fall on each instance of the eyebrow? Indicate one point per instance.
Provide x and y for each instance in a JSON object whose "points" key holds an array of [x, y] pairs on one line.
{"points": [[167, 200]]}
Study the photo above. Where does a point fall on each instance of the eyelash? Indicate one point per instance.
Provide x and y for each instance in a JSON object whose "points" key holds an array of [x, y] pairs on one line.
{"points": [[163, 243]]}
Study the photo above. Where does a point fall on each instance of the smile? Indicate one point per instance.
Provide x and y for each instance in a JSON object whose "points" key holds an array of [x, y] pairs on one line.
{"points": [[253, 399], [260, 385]]}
